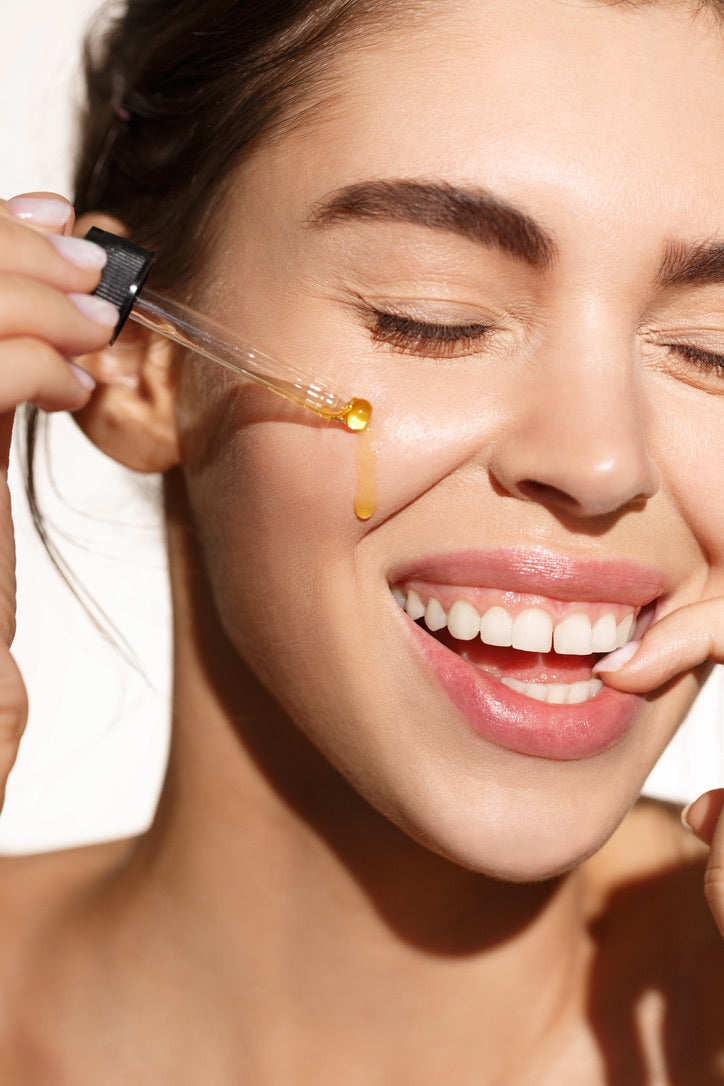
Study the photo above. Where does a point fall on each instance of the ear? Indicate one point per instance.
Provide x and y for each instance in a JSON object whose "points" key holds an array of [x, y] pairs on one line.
{"points": [[130, 415]]}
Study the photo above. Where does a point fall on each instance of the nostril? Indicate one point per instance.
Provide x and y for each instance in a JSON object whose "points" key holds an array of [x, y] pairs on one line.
{"points": [[558, 499], [544, 493], [592, 504]]}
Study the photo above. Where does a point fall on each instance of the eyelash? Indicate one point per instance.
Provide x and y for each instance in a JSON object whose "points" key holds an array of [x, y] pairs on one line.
{"points": [[410, 336], [707, 361]]}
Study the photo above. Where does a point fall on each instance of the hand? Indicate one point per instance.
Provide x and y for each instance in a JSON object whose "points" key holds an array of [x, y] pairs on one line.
{"points": [[705, 817], [46, 317], [681, 641]]}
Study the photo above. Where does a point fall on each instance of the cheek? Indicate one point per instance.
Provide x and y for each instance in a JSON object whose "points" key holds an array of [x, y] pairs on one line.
{"points": [[299, 582], [272, 495], [685, 445], [294, 585], [280, 473]]}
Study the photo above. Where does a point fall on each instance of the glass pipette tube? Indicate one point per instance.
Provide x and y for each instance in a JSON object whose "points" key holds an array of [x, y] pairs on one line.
{"points": [[205, 336], [122, 282]]}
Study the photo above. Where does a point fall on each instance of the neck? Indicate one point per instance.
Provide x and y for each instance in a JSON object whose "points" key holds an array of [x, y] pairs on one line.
{"points": [[271, 866]]}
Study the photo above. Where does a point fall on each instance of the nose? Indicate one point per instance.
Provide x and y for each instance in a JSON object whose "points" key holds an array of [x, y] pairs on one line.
{"points": [[577, 439]]}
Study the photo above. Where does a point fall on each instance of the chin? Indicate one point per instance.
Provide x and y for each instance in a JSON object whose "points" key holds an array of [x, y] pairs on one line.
{"points": [[536, 861], [516, 835]]}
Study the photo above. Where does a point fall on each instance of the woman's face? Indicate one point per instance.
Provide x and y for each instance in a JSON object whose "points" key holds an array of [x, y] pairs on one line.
{"points": [[500, 227]]}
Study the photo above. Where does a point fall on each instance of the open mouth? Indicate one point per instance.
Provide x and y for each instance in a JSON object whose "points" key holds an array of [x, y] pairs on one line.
{"points": [[544, 649]]}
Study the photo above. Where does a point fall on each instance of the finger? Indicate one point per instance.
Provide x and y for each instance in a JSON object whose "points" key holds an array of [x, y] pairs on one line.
{"points": [[13, 715], [74, 324], [683, 640], [43, 377], [714, 876], [47, 212], [705, 817], [7, 572], [702, 816], [68, 264]]}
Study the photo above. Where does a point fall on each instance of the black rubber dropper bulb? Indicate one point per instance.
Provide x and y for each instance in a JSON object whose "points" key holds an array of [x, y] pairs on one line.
{"points": [[124, 274]]}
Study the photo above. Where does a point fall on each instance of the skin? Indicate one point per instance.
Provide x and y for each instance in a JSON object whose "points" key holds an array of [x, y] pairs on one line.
{"points": [[321, 888]]}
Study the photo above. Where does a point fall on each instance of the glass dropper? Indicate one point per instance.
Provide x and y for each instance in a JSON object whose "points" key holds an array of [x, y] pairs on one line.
{"points": [[122, 283]]}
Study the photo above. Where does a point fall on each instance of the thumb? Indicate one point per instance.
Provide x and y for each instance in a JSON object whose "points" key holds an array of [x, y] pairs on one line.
{"points": [[705, 818]]}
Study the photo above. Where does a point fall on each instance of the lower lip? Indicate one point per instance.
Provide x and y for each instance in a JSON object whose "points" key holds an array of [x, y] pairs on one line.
{"points": [[521, 724]]}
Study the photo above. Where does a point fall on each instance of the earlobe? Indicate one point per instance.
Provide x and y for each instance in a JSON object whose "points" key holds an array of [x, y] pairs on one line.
{"points": [[131, 414]]}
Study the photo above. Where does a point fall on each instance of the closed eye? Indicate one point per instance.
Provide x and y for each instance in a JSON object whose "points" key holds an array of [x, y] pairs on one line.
{"points": [[433, 340], [704, 360]]}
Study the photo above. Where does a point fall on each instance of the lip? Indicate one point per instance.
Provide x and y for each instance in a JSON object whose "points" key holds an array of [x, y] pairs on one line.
{"points": [[538, 572], [492, 710]]}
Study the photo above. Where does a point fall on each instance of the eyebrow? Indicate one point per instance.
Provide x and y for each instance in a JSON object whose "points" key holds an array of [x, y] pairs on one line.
{"points": [[473, 213], [692, 265]]}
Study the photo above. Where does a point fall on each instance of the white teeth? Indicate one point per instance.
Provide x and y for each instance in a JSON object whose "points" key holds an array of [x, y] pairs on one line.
{"points": [[584, 691], [532, 631], [603, 634], [414, 606], [435, 617], [515, 684], [536, 691], [463, 622], [556, 693], [624, 630], [496, 627], [573, 636]]}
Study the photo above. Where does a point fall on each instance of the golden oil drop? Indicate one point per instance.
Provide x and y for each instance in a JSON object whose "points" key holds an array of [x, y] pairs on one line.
{"points": [[365, 499], [356, 415]]}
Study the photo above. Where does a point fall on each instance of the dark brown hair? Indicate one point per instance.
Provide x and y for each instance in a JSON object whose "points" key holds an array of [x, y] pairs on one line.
{"points": [[178, 93]]}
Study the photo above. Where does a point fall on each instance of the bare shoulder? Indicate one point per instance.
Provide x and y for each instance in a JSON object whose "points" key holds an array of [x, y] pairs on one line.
{"points": [[66, 866], [35, 890], [41, 897], [657, 978]]}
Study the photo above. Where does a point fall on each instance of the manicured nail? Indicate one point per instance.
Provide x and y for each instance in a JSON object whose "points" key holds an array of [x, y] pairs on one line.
{"points": [[78, 251], [685, 818], [96, 309], [82, 376], [616, 659], [40, 211]]}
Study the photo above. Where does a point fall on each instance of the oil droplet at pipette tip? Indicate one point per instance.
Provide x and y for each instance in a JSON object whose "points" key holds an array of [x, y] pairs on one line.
{"points": [[355, 415]]}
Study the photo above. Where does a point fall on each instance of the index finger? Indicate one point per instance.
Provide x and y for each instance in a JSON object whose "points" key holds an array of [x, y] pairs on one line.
{"points": [[681, 641], [47, 212]]}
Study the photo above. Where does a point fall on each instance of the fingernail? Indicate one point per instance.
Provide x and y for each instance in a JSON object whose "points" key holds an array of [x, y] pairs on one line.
{"points": [[616, 659], [96, 309], [78, 251], [40, 211], [82, 376], [685, 818]]}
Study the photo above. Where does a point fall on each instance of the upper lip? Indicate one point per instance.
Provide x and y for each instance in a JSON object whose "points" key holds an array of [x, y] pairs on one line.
{"points": [[540, 572]]}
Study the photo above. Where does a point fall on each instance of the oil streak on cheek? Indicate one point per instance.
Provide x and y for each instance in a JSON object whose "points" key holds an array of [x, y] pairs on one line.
{"points": [[365, 499]]}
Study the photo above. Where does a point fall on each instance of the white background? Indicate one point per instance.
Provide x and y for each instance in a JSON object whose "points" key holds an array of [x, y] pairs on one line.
{"points": [[92, 758]]}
